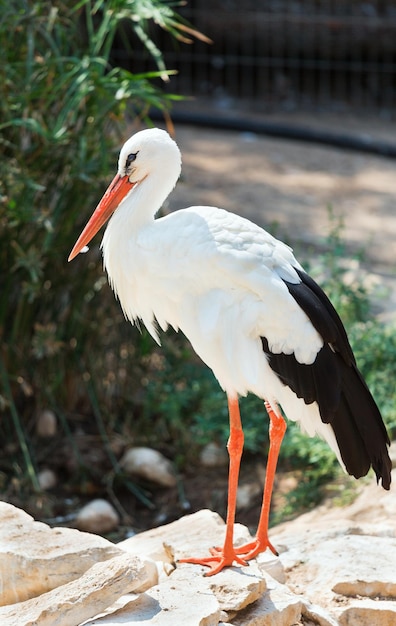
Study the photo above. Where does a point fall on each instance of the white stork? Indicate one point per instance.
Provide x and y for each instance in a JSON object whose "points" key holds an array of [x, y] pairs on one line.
{"points": [[250, 312]]}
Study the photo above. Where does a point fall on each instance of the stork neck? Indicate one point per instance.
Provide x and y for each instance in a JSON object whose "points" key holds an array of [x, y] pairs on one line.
{"points": [[143, 203]]}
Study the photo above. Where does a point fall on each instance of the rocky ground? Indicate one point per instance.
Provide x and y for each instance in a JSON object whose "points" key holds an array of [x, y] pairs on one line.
{"points": [[336, 567]]}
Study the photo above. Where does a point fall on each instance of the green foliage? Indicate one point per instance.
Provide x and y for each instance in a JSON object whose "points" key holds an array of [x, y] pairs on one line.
{"points": [[373, 342], [349, 297], [63, 111], [375, 350]]}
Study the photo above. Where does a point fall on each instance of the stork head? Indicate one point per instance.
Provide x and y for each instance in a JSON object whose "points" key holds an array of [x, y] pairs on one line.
{"points": [[145, 152]]}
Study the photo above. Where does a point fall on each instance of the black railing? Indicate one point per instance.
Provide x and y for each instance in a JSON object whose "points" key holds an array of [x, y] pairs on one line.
{"points": [[287, 55]]}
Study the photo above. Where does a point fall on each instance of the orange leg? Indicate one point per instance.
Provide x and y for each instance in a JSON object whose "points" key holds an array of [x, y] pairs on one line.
{"points": [[276, 433], [221, 557]]}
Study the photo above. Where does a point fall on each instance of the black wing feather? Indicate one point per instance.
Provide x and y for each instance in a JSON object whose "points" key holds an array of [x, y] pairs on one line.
{"points": [[335, 383]]}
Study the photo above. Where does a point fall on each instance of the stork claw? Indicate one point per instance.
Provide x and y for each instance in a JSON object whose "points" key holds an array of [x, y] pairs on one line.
{"points": [[220, 557], [218, 560], [253, 548]]}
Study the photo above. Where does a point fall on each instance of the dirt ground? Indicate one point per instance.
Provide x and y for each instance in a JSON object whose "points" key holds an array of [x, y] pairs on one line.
{"points": [[287, 187]]}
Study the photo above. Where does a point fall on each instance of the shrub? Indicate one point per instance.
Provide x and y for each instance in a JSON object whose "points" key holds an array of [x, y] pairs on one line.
{"points": [[63, 110]]}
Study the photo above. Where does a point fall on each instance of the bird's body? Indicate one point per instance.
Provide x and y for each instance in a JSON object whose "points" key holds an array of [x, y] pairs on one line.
{"points": [[223, 297], [242, 299]]}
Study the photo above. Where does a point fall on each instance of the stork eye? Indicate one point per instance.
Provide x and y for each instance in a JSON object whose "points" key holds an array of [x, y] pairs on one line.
{"points": [[130, 158]]}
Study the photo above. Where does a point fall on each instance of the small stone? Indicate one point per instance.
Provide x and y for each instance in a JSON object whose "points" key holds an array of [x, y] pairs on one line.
{"points": [[98, 516], [47, 479], [314, 615], [246, 494], [369, 613], [46, 424], [271, 564], [149, 464], [213, 455]]}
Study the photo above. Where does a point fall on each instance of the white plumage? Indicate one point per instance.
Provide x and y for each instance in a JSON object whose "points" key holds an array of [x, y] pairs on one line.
{"points": [[213, 275], [225, 283]]}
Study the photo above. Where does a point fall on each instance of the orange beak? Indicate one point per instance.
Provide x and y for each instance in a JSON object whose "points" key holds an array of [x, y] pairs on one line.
{"points": [[119, 187]]}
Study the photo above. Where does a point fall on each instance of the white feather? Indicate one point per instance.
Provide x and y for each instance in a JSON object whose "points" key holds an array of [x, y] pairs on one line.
{"points": [[212, 274]]}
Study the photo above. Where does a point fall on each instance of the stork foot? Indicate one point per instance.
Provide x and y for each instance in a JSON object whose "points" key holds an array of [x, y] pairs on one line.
{"points": [[250, 550], [218, 560]]}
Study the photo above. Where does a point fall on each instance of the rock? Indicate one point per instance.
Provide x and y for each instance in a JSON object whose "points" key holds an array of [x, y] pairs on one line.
{"points": [[271, 564], [246, 494], [77, 601], [234, 588], [46, 424], [149, 464], [314, 615], [278, 606], [332, 554], [322, 565], [192, 535], [98, 516], [361, 571], [188, 603], [369, 613], [47, 479], [35, 558], [336, 568], [213, 455]]}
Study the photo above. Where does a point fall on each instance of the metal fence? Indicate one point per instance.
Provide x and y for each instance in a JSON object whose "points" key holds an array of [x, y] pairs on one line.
{"points": [[290, 55]]}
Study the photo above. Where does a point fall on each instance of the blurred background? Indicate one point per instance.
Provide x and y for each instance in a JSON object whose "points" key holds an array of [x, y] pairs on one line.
{"points": [[281, 57], [79, 387]]}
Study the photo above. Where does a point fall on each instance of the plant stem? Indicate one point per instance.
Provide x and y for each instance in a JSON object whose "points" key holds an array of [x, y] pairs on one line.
{"points": [[19, 430]]}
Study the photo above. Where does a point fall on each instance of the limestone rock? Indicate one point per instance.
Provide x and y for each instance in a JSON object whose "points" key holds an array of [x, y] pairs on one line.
{"points": [[47, 479], [314, 615], [277, 607], [35, 558], [271, 564], [149, 464], [77, 601], [246, 494], [188, 602], [336, 568], [46, 424], [213, 455], [369, 613], [332, 554], [234, 587], [347, 565], [192, 535], [98, 516]]}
